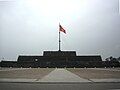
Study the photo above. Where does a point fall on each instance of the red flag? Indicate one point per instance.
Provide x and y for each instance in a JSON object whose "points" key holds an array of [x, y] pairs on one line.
{"points": [[62, 29]]}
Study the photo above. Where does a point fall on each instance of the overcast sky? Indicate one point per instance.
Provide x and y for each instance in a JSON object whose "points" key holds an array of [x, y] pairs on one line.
{"points": [[29, 27]]}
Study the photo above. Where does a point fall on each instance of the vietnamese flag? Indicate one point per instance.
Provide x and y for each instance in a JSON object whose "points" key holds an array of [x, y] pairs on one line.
{"points": [[62, 29]]}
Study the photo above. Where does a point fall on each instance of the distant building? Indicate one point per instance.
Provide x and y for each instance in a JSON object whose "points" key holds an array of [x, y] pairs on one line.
{"points": [[56, 59], [59, 59]]}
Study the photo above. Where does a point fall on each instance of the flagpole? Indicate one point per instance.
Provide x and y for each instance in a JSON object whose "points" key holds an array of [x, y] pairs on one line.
{"points": [[59, 38]]}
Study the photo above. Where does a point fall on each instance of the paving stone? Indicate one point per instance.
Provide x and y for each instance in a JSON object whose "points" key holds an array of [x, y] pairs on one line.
{"points": [[62, 75]]}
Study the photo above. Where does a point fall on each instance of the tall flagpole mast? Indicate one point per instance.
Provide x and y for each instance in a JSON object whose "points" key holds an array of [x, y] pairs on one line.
{"points": [[59, 38]]}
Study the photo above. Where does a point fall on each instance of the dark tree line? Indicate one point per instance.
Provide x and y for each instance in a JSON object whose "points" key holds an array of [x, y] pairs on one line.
{"points": [[113, 59]]}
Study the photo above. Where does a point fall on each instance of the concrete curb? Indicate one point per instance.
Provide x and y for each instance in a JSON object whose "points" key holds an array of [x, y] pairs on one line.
{"points": [[106, 80], [50, 82], [18, 80]]}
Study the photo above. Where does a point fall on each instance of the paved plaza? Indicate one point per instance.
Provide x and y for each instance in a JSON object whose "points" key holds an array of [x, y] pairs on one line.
{"points": [[59, 75], [62, 75]]}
